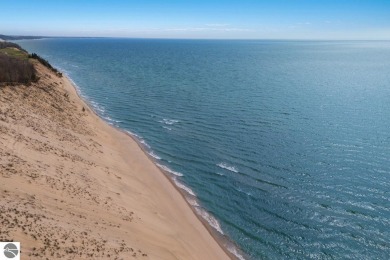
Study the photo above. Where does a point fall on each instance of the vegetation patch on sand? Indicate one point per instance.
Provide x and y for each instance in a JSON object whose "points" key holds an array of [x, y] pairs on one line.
{"points": [[16, 65], [14, 52]]}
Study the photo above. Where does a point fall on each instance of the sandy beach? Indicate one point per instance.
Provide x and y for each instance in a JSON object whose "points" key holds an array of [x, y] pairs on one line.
{"points": [[73, 187]]}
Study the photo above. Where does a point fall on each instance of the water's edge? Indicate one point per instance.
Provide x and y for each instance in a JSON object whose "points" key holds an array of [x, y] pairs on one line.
{"points": [[227, 245]]}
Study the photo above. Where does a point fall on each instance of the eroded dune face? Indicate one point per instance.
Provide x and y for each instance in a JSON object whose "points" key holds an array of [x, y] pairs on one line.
{"points": [[73, 187]]}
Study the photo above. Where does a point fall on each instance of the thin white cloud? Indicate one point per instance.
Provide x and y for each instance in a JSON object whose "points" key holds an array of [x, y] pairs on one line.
{"points": [[205, 29], [217, 24]]}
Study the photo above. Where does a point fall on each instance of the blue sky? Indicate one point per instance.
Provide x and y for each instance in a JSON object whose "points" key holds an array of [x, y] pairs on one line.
{"points": [[254, 19]]}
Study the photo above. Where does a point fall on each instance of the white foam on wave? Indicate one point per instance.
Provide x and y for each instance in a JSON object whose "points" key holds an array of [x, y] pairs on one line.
{"points": [[183, 187], [133, 134], [144, 143], [139, 138], [98, 108], [192, 202], [107, 118], [165, 168], [155, 156], [210, 219], [168, 128], [111, 120], [227, 167], [169, 121], [242, 191], [234, 251]]}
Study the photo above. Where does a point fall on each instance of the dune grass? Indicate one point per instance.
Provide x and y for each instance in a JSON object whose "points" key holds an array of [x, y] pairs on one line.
{"points": [[14, 52]]}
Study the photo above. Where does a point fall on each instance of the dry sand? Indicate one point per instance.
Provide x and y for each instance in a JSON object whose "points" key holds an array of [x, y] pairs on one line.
{"points": [[73, 187]]}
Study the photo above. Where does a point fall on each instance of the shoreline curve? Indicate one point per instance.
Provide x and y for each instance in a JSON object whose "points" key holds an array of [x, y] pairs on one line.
{"points": [[222, 240]]}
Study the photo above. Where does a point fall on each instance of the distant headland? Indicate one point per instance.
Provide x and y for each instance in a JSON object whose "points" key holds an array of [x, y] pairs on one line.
{"points": [[18, 37]]}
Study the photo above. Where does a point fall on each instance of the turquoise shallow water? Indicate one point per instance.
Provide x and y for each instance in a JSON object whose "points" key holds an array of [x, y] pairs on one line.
{"points": [[285, 144]]}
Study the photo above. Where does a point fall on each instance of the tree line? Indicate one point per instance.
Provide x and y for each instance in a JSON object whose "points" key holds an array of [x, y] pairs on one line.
{"points": [[44, 63]]}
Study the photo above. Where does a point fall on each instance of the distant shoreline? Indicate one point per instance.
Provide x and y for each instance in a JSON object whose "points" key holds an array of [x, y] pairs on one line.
{"points": [[16, 38], [19, 38]]}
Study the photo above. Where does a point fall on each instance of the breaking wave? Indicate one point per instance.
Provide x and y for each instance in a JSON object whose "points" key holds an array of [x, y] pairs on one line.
{"points": [[165, 168], [227, 167]]}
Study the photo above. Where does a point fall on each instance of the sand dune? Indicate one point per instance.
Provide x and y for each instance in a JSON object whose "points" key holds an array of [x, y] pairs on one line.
{"points": [[72, 187]]}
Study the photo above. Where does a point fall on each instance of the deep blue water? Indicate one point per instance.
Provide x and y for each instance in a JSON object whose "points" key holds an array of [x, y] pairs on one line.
{"points": [[286, 144]]}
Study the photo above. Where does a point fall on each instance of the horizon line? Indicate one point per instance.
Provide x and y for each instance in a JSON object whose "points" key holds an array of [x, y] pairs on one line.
{"points": [[189, 38]]}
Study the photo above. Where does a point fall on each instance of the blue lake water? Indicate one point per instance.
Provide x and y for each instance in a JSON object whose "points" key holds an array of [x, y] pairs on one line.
{"points": [[285, 144]]}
